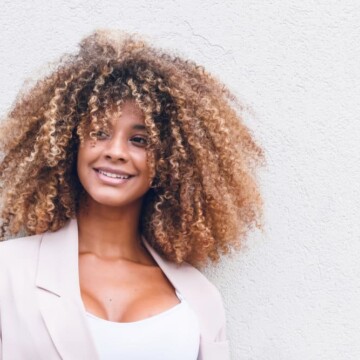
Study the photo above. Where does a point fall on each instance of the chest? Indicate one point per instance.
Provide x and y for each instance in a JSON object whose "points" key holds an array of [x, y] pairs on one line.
{"points": [[123, 291]]}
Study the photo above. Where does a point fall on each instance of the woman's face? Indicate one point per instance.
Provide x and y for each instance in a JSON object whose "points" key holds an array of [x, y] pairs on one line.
{"points": [[114, 170]]}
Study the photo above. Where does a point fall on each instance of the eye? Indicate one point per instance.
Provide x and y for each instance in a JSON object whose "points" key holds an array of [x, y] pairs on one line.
{"points": [[140, 140], [100, 135]]}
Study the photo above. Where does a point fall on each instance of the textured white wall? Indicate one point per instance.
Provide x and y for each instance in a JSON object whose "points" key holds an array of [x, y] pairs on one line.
{"points": [[294, 293]]}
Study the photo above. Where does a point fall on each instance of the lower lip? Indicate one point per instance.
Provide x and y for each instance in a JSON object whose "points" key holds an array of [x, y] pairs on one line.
{"points": [[110, 180]]}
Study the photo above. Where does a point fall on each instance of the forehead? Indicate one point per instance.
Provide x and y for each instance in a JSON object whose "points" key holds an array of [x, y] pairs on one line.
{"points": [[127, 113]]}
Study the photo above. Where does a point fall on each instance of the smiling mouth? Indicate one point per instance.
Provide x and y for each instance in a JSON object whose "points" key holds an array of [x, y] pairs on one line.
{"points": [[112, 175]]}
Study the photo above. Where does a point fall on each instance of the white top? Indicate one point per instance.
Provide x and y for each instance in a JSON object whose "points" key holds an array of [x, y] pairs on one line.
{"points": [[172, 335]]}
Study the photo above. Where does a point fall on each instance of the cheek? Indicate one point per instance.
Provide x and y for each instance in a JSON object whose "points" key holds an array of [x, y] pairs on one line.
{"points": [[80, 168], [81, 159], [139, 159], [84, 156], [151, 165]]}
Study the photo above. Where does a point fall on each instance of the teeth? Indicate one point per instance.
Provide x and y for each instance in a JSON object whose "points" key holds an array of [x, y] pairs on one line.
{"points": [[116, 176]]}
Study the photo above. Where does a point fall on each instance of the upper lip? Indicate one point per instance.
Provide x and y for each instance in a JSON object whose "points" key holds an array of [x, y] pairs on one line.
{"points": [[113, 171]]}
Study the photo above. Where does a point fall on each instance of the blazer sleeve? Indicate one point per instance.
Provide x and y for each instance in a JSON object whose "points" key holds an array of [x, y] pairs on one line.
{"points": [[1, 294], [0, 333], [217, 347]]}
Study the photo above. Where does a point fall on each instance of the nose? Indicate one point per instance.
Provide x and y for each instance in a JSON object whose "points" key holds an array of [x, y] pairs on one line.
{"points": [[117, 149]]}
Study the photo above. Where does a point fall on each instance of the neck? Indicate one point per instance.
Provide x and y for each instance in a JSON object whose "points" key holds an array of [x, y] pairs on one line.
{"points": [[110, 233]]}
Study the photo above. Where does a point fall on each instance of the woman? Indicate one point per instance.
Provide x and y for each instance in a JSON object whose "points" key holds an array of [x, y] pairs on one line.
{"points": [[126, 168]]}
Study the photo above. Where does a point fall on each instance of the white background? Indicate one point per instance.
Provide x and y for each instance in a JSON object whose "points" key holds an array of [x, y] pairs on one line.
{"points": [[294, 292]]}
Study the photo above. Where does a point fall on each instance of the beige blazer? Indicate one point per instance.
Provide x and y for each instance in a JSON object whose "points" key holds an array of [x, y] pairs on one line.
{"points": [[42, 315]]}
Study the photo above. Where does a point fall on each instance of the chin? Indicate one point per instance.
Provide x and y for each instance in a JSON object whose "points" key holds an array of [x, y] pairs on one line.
{"points": [[111, 201]]}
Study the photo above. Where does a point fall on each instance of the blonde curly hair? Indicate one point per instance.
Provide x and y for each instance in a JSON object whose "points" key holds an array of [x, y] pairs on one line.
{"points": [[204, 198]]}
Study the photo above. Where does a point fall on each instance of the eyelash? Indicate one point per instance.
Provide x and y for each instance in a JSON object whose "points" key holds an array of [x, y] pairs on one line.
{"points": [[101, 135], [143, 140]]}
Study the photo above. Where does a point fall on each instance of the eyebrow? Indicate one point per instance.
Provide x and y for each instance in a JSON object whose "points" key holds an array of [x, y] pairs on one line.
{"points": [[139, 127]]}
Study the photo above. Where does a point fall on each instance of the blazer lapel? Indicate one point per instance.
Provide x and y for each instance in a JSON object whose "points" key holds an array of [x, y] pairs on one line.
{"points": [[63, 311], [59, 295], [190, 282]]}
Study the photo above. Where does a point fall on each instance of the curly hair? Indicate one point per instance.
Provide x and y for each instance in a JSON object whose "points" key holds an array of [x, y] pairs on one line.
{"points": [[205, 197]]}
